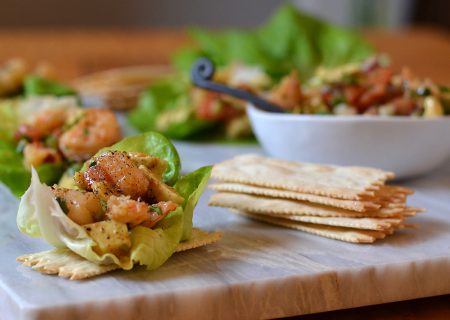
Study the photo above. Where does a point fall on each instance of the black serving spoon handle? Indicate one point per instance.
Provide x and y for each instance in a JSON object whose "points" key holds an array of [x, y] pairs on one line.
{"points": [[202, 73]]}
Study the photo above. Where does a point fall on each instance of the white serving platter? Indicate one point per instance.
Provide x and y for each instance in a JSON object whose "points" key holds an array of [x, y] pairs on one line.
{"points": [[255, 271]]}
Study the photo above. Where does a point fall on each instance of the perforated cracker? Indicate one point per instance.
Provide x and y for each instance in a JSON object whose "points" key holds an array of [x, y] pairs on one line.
{"points": [[64, 263], [199, 238], [272, 206], [353, 205], [339, 182], [337, 233]]}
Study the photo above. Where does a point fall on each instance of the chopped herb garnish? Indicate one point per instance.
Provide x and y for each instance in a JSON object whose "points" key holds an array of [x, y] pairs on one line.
{"points": [[93, 163], [74, 168], [72, 122], [104, 204], [86, 131], [423, 91], [156, 209], [337, 100], [51, 141], [350, 79], [63, 204], [323, 112], [21, 146], [444, 88]]}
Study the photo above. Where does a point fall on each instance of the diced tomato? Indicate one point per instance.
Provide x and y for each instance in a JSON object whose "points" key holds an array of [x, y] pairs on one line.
{"points": [[404, 106], [213, 108], [28, 132], [204, 107], [352, 94], [380, 76], [375, 94]]}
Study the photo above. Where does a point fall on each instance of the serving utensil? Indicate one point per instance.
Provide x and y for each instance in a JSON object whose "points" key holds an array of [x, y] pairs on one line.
{"points": [[202, 73]]}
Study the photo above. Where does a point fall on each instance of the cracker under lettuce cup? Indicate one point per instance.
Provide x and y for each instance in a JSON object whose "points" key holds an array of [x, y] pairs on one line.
{"points": [[40, 214]]}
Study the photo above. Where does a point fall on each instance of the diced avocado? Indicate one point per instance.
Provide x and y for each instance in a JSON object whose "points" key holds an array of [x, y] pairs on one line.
{"points": [[111, 237]]}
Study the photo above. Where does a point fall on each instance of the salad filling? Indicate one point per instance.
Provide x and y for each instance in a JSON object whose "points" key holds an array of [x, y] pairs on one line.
{"points": [[117, 193], [368, 88]]}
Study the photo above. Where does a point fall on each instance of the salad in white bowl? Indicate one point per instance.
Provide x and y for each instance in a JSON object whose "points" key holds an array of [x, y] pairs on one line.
{"points": [[358, 114]]}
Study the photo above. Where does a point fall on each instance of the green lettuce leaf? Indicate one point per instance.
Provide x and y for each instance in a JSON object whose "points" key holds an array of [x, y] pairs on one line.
{"points": [[10, 122], [16, 177], [165, 107], [302, 42], [40, 215], [161, 96], [191, 187], [37, 86], [152, 247]]}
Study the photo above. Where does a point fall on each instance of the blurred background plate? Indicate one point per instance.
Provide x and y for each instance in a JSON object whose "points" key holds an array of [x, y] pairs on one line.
{"points": [[119, 88]]}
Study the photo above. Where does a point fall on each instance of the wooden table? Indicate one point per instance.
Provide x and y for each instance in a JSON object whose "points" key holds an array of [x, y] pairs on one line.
{"points": [[79, 52]]}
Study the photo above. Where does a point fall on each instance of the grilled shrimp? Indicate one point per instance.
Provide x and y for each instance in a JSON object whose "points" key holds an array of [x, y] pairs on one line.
{"points": [[120, 173], [42, 123], [288, 94], [36, 154], [115, 173], [125, 210], [96, 129], [12, 74], [81, 207]]}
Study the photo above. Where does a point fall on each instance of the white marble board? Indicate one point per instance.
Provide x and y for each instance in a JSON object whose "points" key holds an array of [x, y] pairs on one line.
{"points": [[255, 271]]}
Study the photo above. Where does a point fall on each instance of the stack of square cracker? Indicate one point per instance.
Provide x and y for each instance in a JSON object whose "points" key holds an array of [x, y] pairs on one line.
{"points": [[351, 204]]}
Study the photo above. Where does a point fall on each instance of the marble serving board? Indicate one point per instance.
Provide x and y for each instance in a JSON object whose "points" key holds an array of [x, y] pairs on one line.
{"points": [[255, 271]]}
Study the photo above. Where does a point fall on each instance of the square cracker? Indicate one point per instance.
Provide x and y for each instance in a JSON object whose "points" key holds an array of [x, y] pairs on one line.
{"points": [[332, 232], [65, 263], [379, 200], [380, 224], [199, 238], [272, 206], [354, 205], [333, 181]]}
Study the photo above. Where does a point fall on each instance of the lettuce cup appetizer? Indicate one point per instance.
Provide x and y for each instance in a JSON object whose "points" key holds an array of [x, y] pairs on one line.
{"points": [[127, 206], [50, 134]]}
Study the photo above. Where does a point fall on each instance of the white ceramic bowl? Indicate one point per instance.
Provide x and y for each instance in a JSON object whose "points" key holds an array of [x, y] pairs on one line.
{"points": [[404, 145]]}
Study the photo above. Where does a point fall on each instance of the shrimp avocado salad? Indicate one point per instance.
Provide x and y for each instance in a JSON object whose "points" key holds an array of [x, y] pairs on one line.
{"points": [[371, 87], [127, 205]]}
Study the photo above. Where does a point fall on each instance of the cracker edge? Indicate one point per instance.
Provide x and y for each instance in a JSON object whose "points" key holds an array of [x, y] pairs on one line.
{"points": [[365, 236]]}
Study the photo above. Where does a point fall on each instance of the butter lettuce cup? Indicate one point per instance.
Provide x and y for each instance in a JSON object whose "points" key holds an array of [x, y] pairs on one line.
{"points": [[128, 205]]}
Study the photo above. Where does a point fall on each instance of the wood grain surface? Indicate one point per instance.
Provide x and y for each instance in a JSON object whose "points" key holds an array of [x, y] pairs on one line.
{"points": [[79, 52]]}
